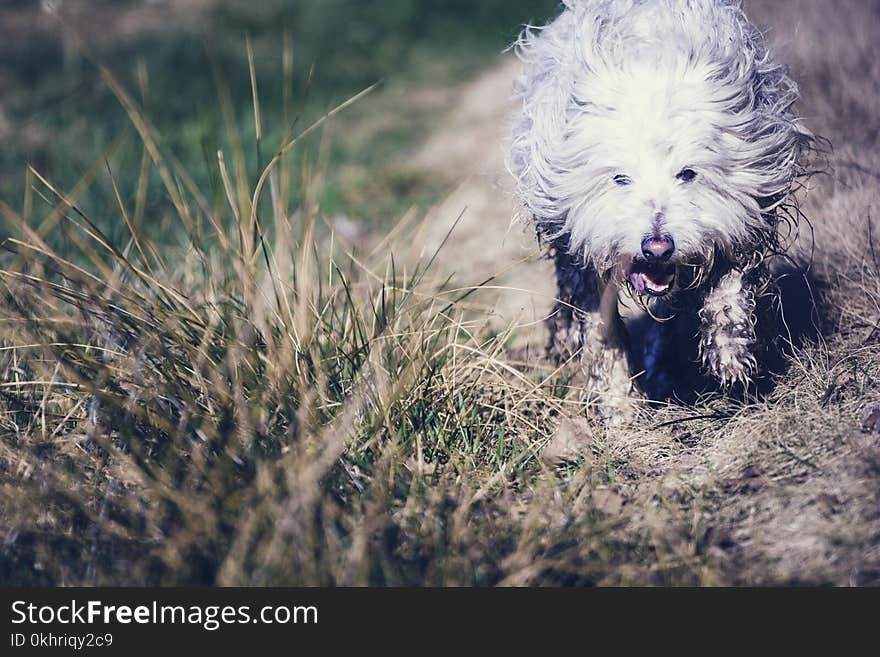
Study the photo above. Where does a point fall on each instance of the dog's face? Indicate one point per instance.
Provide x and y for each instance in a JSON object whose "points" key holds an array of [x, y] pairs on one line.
{"points": [[659, 202], [654, 137]]}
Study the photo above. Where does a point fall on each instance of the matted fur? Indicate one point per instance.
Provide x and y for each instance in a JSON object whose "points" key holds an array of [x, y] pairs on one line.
{"points": [[619, 97]]}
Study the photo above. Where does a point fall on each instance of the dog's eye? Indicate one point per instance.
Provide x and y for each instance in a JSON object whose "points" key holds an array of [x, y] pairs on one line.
{"points": [[686, 175], [620, 179]]}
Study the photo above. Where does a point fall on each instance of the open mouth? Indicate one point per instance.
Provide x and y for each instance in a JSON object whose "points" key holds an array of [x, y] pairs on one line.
{"points": [[654, 279]]}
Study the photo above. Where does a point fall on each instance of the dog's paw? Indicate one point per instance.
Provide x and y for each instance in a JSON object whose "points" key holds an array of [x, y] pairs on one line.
{"points": [[727, 330], [611, 388], [730, 360]]}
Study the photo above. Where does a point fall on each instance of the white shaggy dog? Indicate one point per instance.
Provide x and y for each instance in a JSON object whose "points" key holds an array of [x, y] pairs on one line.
{"points": [[656, 150]]}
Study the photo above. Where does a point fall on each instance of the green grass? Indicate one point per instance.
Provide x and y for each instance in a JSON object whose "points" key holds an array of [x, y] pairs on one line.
{"points": [[194, 84]]}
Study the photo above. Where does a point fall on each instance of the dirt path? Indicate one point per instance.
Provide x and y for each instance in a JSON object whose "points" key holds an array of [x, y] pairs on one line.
{"points": [[783, 491], [489, 240]]}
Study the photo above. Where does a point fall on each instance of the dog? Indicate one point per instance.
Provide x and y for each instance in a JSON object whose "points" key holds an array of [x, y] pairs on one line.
{"points": [[657, 149]]}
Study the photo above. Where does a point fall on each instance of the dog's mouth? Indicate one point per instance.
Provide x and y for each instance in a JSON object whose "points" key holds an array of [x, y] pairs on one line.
{"points": [[654, 279]]}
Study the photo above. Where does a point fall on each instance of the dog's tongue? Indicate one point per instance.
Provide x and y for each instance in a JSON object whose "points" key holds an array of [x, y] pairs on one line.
{"points": [[637, 279], [652, 280]]}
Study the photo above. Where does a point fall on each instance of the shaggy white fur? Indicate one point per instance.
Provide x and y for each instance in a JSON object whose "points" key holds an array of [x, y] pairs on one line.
{"points": [[655, 146]]}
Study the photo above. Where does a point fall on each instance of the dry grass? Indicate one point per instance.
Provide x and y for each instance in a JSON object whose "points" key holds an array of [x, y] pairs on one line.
{"points": [[271, 406]]}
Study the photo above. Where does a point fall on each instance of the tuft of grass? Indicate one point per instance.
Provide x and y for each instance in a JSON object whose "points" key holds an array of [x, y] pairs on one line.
{"points": [[260, 406]]}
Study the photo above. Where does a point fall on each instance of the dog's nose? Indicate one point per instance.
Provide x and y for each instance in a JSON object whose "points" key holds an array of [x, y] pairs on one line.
{"points": [[658, 248]]}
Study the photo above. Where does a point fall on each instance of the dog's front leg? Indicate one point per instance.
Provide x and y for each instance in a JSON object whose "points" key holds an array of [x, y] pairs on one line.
{"points": [[727, 328], [586, 328], [605, 358]]}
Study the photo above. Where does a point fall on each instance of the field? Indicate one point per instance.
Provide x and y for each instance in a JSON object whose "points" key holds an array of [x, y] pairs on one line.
{"points": [[264, 323]]}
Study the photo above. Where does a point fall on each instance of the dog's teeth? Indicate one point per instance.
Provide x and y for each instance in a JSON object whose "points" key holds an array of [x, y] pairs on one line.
{"points": [[643, 281]]}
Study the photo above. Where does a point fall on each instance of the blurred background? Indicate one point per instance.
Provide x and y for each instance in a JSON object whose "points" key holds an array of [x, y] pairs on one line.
{"points": [[186, 62]]}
